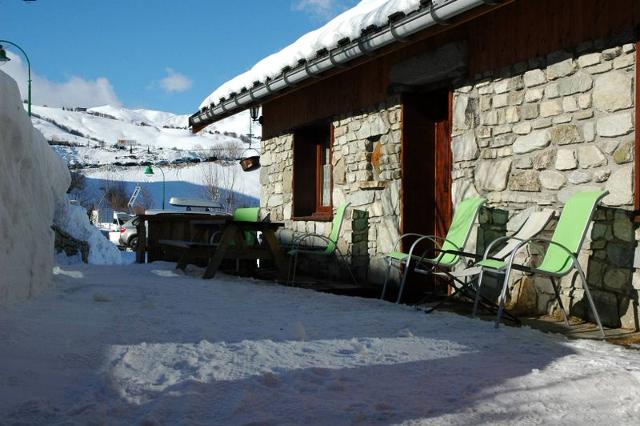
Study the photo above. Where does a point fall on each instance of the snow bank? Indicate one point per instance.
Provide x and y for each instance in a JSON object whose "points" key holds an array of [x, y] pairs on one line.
{"points": [[74, 221], [32, 179], [349, 24]]}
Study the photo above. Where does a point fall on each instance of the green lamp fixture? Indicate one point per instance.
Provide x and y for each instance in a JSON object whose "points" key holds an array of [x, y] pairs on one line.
{"points": [[149, 172]]}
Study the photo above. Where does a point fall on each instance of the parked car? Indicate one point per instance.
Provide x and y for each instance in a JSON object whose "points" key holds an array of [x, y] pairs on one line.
{"points": [[129, 233]]}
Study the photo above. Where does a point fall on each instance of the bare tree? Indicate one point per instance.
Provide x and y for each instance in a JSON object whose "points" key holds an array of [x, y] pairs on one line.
{"points": [[219, 184]]}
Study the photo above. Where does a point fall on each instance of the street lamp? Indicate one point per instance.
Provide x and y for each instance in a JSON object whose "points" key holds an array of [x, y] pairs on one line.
{"points": [[149, 172], [253, 112], [4, 59]]}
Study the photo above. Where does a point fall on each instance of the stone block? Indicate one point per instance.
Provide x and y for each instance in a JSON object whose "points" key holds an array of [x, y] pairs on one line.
{"points": [[560, 119], [577, 83], [561, 68], [502, 140], [551, 179], [611, 53], [590, 156], [550, 108], [579, 176], [544, 159], [552, 91], [535, 140], [533, 95], [624, 153], [515, 98], [623, 228], [523, 163], [565, 193], [620, 255], [529, 112], [600, 68], [570, 104], [589, 59], [525, 180], [534, 78], [492, 175], [565, 134], [620, 187], [623, 61], [588, 131], [613, 91], [522, 128], [607, 306], [566, 159], [541, 123], [601, 175], [584, 100], [499, 101]]}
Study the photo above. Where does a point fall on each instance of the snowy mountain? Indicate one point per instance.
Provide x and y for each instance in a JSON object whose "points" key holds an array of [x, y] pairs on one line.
{"points": [[110, 145]]}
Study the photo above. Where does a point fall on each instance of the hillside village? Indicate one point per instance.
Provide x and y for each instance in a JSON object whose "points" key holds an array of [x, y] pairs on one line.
{"points": [[416, 212]]}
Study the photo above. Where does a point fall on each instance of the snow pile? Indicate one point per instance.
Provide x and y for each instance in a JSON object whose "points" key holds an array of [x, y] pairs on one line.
{"points": [[349, 24], [32, 179], [75, 222]]}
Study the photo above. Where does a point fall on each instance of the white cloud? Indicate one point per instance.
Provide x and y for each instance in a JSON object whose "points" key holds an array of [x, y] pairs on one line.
{"points": [[75, 92], [319, 9], [175, 82]]}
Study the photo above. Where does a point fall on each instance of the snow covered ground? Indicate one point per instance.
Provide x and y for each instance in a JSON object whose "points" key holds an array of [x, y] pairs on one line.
{"points": [[143, 345]]}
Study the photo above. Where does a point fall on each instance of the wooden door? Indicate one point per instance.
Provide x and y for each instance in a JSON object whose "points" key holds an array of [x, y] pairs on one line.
{"points": [[426, 165]]}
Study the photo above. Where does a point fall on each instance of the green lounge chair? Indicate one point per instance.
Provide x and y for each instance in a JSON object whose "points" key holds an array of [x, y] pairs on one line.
{"points": [[449, 248], [248, 214], [330, 249], [561, 256]]}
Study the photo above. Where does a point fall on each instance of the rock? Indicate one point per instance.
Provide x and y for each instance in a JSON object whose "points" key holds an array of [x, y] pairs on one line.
{"points": [[588, 131], [492, 175], [620, 187], [339, 172], [584, 101], [565, 134], [617, 279], [361, 198], [589, 59], [566, 159], [533, 95], [512, 115], [611, 53], [502, 140], [623, 227], [464, 147], [499, 100], [565, 193], [462, 116], [620, 254], [552, 91], [564, 118], [613, 91], [601, 175], [462, 189], [569, 104], [544, 159], [624, 153], [529, 112], [522, 128], [561, 68], [609, 146], [518, 219], [551, 179], [615, 125], [542, 123], [600, 68], [534, 78], [526, 180], [578, 83], [523, 163], [590, 156], [275, 200], [508, 84], [607, 306], [550, 108], [624, 61], [579, 176], [531, 142]]}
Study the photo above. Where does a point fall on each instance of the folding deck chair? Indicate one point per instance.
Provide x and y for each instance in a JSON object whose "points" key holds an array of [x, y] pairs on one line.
{"points": [[448, 248], [560, 258], [330, 249], [534, 225]]}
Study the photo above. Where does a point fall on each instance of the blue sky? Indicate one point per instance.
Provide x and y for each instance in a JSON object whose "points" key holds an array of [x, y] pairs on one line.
{"points": [[157, 54]]}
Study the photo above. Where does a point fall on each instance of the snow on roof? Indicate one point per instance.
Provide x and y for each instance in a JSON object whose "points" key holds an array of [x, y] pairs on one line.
{"points": [[349, 24]]}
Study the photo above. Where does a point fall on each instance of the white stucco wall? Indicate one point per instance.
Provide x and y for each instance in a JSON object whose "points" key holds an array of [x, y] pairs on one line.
{"points": [[32, 179]]}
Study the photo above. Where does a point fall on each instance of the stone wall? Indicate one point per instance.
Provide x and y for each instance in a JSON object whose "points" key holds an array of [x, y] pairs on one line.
{"points": [[366, 173], [533, 134]]}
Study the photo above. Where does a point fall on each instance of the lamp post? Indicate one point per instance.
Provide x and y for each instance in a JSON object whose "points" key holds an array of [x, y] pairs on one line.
{"points": [[149, 172], [4, 59]]}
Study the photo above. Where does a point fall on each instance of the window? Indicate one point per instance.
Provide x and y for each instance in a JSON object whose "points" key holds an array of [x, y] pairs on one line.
{"points": [[312, 180]]}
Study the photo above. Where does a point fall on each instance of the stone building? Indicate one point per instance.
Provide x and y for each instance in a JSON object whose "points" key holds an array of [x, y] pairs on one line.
{"points": [[523, 102]]}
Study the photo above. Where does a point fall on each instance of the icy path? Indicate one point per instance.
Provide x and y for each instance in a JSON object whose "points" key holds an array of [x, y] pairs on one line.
{"points": [[140, 344]]}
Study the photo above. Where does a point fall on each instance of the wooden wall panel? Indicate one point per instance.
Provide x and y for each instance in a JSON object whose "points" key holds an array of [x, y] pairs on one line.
{"points": [[510, 34]]}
